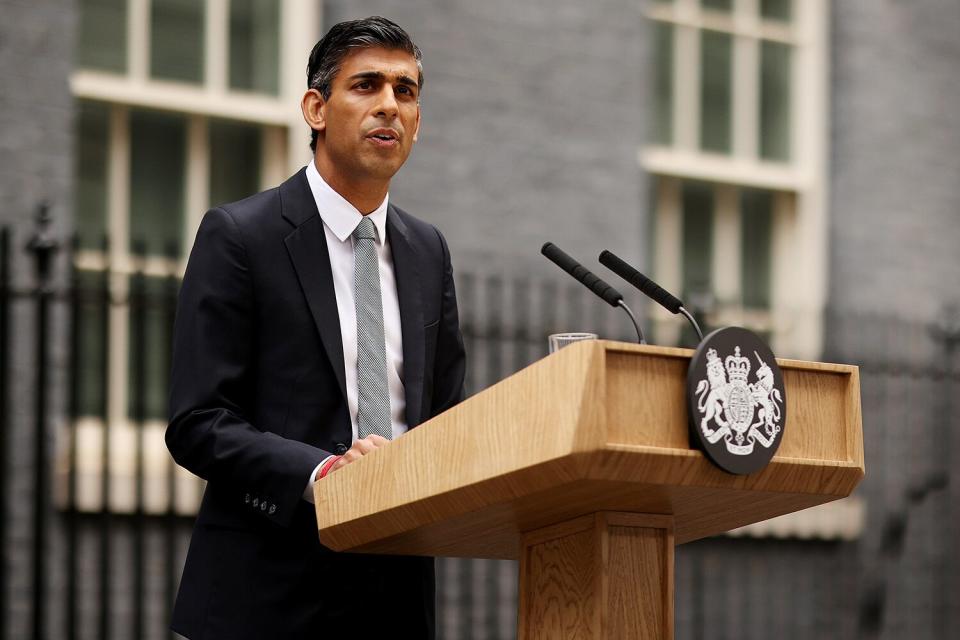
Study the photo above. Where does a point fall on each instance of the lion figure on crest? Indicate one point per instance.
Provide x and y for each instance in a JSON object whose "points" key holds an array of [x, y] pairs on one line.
{"points": [[711, 405]]}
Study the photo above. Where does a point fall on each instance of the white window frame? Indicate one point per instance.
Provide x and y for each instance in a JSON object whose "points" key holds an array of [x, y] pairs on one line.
{"points": [[284, 149], [800, 225], [299, 26]]}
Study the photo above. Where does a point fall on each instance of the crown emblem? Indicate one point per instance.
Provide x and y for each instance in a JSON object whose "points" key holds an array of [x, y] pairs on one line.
{"points": [[737, 423], [738, 367]]}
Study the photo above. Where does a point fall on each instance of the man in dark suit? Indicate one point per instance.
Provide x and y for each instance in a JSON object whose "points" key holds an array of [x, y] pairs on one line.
{"points": [[316, 322]]}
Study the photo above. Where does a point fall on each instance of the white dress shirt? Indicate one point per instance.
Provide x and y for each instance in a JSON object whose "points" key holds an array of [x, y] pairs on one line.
{"points": [[340, 218]]}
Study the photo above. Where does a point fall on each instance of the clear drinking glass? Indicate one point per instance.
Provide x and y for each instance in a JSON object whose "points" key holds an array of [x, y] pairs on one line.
{"points": [[560, 340]]}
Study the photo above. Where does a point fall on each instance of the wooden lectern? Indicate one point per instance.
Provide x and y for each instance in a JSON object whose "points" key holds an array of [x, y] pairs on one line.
{"points": [[580, 466]]}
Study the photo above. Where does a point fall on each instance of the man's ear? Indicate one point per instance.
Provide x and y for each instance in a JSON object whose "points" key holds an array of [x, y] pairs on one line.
{"points": [[416, 132], [314, 110]]}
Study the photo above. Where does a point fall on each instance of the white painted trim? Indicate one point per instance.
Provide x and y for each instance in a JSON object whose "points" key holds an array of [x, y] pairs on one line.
{"points": [[756, 319], [157, 464], [809, 113], [726, 265], [118, 220], [800, 226], [842, 519], [784, 249], [118, 180], [720, 168], [746, 82], [300, 20], [281, 124], [684, 10], [686, 88], [197, 165], [273, 156], [152, 266], [689, 15], [138, 39], [667, 258], [216, 45], [179, 97]]}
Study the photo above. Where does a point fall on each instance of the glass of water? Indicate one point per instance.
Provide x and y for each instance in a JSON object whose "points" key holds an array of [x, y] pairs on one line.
{"points": [[560, 340]]}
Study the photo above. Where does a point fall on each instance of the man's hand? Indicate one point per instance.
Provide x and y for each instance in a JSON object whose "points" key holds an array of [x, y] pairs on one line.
{"points": [[359, 449]]}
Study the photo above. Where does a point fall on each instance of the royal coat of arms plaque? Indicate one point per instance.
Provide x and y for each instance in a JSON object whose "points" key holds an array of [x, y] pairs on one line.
{"points": [[736, 400]]}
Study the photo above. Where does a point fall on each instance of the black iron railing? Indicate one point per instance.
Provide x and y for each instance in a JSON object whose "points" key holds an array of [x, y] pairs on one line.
{"points": [[104, 568]]}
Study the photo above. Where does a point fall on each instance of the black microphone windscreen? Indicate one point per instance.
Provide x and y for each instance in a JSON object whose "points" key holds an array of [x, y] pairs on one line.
{"points": [[557, 256], [560, 258], [660, 295]]}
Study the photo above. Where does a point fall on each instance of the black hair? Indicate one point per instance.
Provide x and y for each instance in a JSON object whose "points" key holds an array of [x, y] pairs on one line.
{"points": [[329, 52]]}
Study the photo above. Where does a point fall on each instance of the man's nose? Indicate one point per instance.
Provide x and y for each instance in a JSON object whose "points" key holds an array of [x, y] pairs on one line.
{"points": [[387, 102]]}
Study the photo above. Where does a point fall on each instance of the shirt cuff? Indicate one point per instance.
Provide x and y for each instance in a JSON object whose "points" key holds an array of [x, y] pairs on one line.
{"points": [[308, 492]]}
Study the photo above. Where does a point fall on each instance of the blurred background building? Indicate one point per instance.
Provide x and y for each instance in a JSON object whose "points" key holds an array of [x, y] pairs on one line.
{"points": [[788, 165]]}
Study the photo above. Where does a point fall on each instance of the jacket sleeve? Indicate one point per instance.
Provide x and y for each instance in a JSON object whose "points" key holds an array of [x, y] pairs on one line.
{"points": [[212, 381], [450, 362]]}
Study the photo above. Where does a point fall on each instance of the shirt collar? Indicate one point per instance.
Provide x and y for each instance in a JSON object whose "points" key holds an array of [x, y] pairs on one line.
{"points": [[337, 212]]}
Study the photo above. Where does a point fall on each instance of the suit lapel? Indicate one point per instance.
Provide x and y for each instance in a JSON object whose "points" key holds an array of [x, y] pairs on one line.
{"points": [[307, 246], [405, 266]]}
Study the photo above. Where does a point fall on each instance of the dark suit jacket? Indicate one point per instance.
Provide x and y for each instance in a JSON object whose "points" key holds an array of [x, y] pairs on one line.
{"points": [[258, 399]]}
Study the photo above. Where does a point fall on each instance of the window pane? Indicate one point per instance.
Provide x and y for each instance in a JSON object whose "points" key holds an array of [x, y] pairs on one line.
{"points": [[151, 306], [102, 41], [91, 174], [662, 125], [176, 40], [774, 101], [718, 5], [255, 45], [90, 347], [234, 161], [715, 91], [157, 156], [697, 240], [775, 10], [756, 229]]}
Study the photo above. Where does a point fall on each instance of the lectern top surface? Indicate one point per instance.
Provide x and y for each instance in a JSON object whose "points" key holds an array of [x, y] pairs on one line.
{"points": [[596, 426]]}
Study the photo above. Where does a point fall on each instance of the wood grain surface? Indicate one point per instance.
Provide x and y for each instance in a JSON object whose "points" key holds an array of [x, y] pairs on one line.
{"points": [[605, 575], [598, 426]]}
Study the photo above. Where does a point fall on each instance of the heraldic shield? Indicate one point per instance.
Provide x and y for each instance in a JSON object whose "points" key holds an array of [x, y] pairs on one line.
{"points": [[736, 400]]}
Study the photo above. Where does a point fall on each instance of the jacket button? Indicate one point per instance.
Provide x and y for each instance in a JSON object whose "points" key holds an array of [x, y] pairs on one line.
{"points": [[341, 448], [263, 506], [246, 498], [273, 509], [256, 502]]}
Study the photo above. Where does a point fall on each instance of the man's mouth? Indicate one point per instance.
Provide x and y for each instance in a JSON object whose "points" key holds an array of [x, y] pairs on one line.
{"points": [[383, 137]]}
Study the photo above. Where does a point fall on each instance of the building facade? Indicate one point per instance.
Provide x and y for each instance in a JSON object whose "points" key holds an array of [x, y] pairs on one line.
{"points": [[790, 166]]}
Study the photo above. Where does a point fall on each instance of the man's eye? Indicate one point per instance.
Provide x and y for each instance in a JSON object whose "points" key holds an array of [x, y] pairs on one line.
{"points": [[363, 85]]}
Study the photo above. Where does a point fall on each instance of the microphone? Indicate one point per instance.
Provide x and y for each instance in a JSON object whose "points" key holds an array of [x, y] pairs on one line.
{"points": [[659, 295], [585, 277], [580, 273]]}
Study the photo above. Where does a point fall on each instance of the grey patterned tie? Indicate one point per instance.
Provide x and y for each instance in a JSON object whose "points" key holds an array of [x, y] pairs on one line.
{"points": [[373, 397]]}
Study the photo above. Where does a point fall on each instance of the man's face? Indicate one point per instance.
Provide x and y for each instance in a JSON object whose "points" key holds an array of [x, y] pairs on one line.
{"points": [[371, 120]]}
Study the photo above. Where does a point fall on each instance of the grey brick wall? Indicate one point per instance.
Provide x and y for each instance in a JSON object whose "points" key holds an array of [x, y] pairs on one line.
{"points": [[895, 161], [36, 152], [532, 117], [36, 108], [895, 267]]}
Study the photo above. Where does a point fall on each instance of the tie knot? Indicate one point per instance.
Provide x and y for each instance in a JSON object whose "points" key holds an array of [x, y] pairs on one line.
{"points": [[365, 229]]}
